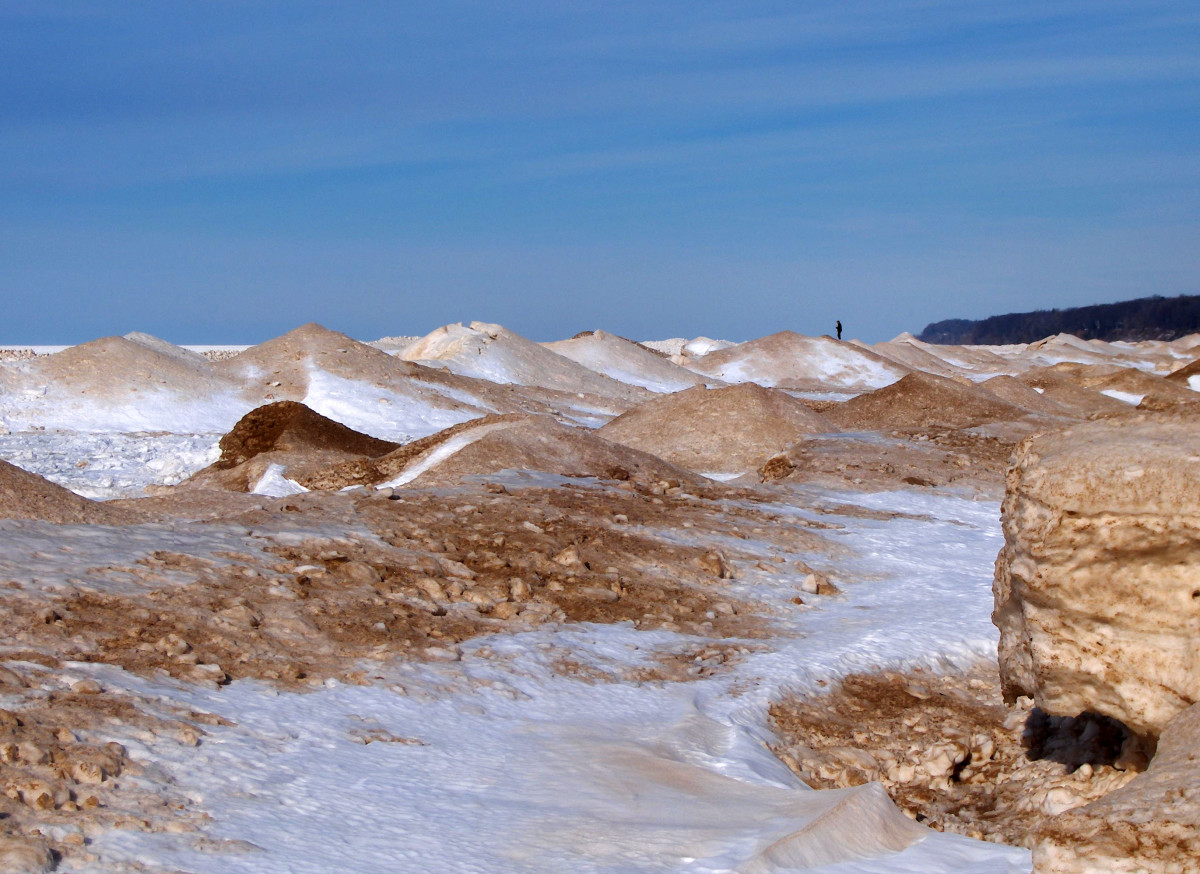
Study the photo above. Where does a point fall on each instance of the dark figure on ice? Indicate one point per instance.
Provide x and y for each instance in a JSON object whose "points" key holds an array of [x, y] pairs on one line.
{"points": [[839, 327]]}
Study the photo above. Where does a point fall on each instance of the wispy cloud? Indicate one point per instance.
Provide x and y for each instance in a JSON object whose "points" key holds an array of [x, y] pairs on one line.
{"points": [[469, 126]]}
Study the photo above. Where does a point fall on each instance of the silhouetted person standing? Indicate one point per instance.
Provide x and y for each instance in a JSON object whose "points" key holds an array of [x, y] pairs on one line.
{"points": [[839, 327]]}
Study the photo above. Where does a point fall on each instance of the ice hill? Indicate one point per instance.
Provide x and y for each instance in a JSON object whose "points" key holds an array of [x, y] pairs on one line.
{"points": [[792, 361], [626, 361]]}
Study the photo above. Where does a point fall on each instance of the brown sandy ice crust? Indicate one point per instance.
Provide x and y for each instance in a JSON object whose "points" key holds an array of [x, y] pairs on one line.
{"points": [[950, 753]]}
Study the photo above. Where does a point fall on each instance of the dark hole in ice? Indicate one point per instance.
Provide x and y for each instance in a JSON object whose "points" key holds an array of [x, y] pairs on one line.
{"points": [[1089, 738]]}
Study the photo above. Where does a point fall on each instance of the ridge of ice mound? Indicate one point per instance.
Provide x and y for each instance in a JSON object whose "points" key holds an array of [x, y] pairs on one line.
{"points": [[161, 346], [494, 353], [724, 430], [25, 495], [536, 443], [790, 360], [626, 361]]}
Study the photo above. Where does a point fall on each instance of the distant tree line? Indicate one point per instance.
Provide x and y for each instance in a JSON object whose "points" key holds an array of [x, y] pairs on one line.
{"points": [[1148, 318]]}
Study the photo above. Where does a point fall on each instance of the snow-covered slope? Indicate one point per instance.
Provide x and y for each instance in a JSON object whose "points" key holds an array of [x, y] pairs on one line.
{"points": [[626, 361], [496, 354]]}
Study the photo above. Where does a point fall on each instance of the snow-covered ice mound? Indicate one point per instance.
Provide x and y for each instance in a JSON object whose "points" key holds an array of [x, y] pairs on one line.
{"points": [[495, 353], [681, 350], [625, 361], [790, 360], [725, 430], [945, 360], [25, 495], [354, 383], [1067, 348], [923, 401]]}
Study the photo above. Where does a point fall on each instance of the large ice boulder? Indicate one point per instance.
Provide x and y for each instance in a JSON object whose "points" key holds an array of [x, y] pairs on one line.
{"points": [[1098, 585]]}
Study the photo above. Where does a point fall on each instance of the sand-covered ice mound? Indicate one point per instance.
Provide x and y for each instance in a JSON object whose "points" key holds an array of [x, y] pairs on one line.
{"points": [[1065, 389], [1189, 375], [542, 444], [923, 401], [120, 384], [790, 360], [724, 430], [386, 395], [112, 367], [1067, 348], [25, 495], [1077, 385], [1145, 390], [1021, 394], [626, 361], [494, 353], [913, 357], [288, 426], [284, 365], [285, 445], [284, 439]]}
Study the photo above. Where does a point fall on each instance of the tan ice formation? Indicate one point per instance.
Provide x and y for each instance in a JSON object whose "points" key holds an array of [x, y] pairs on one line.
{"points": [[1098, 601], [1098, 584]]}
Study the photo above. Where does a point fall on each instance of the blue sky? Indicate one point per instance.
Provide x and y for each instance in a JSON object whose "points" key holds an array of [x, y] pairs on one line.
{"points": [[224, 171]]}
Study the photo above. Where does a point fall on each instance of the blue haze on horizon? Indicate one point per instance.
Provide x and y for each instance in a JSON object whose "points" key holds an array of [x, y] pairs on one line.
{"points": [[219, 171]]}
